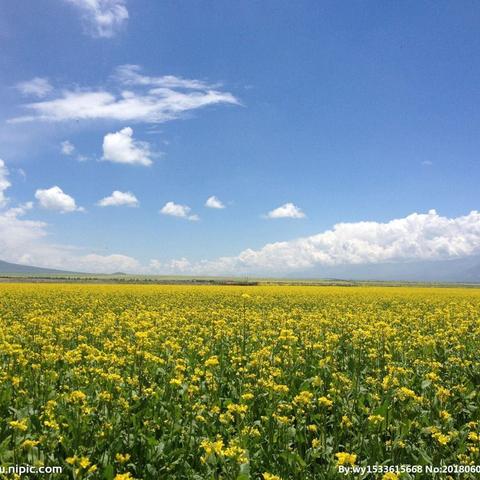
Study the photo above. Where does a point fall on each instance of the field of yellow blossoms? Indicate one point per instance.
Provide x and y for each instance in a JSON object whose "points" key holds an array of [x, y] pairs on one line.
{"points": [[261, 383]]}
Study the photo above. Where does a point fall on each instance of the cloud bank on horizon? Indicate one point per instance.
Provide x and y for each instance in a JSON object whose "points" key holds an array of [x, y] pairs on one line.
{"points": [[416, 237]]}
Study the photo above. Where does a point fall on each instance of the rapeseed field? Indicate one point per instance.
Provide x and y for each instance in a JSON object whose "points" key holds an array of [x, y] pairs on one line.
{"points": [[267, 382]]}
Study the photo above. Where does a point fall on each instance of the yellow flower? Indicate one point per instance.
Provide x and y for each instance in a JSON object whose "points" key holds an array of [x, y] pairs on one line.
{"points": [[303, 398], [405, 393], [123, 476], [212, 361], [315, 443], [28, 444], [432, 376], [473, 436], [346, 422], [77, 396], [390, 476], [325, 402], [444, 415], [443, 393], [441, 438], [344, 458], [20, 425], [236, 452], [237, 408], [211, 448], [270, 476], [122, 458], [375, 419]]}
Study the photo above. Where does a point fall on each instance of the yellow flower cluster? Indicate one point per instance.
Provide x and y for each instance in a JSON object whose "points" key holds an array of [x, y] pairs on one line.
{"points": [[137, 382]]}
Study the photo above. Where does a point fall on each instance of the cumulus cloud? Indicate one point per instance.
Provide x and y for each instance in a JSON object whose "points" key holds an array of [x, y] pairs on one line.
{"points": [[214, 202], [102, 18], [136, 98], [4, 183], [121, 147], [288, 210], [37, 87], [417, 237], [26, 242], [17, 234], [176, 210], [118, 199], [54, 198], [67, 148]]}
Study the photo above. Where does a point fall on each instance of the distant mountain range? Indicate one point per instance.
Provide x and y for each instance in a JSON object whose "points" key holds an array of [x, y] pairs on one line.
{"points": [[464, 270], [458, 270], [6, 267]]}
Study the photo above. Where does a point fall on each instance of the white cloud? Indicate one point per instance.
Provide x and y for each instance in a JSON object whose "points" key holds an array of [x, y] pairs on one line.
{"points": [[214, 202], [4, 183], [17, 234], [55, 199], [288, 210], [25, 242], [154, 100], [175, 210], [19, 210], [105, 263], [427, 163], [178, 266], [37, 87], [131, 75], [117, 199], [417, 237], [103, 18], [121, 147], [67, 148]]}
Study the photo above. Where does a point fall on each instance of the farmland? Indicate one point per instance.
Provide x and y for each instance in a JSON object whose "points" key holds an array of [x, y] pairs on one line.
{"points": [[234, 382]]}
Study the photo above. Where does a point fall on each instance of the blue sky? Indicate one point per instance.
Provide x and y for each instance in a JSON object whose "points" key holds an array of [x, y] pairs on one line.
{"points": [[345, 112]]}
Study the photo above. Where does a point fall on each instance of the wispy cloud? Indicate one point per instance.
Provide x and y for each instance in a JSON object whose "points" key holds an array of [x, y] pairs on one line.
{"points": [[102, 18], [37, 87], [140, 103], [67, 148], [132, 75], [176, 210]]}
